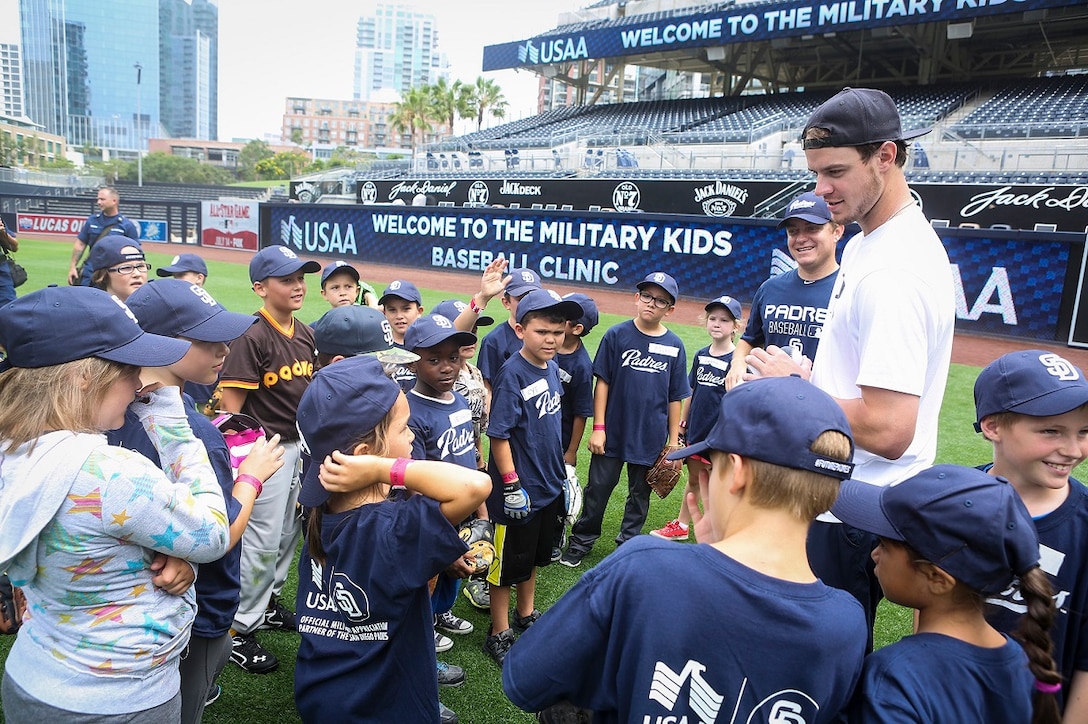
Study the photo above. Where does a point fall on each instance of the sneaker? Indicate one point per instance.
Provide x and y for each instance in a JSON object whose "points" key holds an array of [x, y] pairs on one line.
{"points": [[496, 645], [248, 653], [451, 676], [278, 617], [213, 695], [442, 643], [476, 592], [674, 530], [448, 623], [557, 553], [522, 623], [446, 715], [572, 558]]}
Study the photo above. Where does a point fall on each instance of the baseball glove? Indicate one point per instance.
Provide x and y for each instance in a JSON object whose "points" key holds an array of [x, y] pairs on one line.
{"points": [[479, 535], [12, 606], [664, 474]]}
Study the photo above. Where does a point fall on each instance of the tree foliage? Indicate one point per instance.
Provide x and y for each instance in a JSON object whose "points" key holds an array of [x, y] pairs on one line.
{"points": [[284, 165], [248, 158]]}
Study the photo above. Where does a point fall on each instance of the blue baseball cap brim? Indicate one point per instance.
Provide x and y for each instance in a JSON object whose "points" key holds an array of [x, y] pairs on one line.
{"points": [[183, 263], [428, 331], [278, 261]]}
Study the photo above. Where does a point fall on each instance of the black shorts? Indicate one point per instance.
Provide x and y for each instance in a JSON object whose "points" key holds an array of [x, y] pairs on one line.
{"points": [[523, 547]]}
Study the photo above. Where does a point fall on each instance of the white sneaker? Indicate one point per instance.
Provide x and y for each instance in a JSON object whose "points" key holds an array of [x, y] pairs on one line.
{"points": [[442, 643], [453, 625]]}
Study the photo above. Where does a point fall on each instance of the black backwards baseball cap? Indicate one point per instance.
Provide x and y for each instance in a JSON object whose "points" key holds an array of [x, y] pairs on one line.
{"points": [[776, 420], [278, 261], [433, 329], [451, 309], [354, 330], [184, 263], [808, 207], [662, 280], [971, 524], [522, 281], [589, 317], [107, 253], [539, 299], [402, 290], [177, 308], [356, 390], [726, 302], [336, 266], [855, 117], [1030, 382], [62, 324]]}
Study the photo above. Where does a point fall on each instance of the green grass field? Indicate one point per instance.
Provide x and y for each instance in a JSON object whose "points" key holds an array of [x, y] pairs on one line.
{"points": [[250, 698]]}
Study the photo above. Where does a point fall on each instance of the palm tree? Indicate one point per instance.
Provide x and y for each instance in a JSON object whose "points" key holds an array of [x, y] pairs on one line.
{"points": [[450, 101], [413, 111], [487, 96]]}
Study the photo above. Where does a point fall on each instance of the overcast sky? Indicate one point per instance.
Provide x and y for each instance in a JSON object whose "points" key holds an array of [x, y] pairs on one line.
{"points": [[273, 49]]}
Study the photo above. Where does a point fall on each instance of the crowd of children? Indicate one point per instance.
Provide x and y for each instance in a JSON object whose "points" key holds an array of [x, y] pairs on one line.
{"points": [[389, 439]]}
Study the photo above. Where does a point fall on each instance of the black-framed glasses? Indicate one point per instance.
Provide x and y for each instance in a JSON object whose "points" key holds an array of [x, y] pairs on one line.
{"points": [[647, 298], [127, 269]]}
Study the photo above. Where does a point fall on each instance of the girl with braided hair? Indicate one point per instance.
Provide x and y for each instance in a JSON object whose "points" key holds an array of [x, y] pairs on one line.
{"points": [[951, 536]]}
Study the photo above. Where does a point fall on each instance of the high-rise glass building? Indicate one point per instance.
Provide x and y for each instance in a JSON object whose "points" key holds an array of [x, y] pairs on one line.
{"points": [[396, 48], [11, 81], [81, 79]]}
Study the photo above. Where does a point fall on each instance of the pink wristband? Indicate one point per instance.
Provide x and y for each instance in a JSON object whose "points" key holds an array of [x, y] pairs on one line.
{"points": [[250, 480], [510, 477], [598, 427], [473, 305], [396, 473]]}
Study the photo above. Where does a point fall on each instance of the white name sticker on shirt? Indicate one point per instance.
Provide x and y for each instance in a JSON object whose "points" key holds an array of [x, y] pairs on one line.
{"points": [[460, 417], [1050, 560], [538, 387], [714, 362], [665, 349]]}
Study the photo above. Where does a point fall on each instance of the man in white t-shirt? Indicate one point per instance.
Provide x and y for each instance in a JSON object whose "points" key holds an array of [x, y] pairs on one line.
{"points": [[887, 342]]}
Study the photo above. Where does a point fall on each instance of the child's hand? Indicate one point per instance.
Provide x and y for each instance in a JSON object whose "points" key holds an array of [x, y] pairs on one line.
{"points": [[264, 459], [341, 473], [515, 503], [596, 442], [172, 575], [493, 281], [461, 568]]}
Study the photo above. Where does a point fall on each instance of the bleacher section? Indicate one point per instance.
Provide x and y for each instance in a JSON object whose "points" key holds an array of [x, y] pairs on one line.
{"points": [[185, 192], [1041, 107]]}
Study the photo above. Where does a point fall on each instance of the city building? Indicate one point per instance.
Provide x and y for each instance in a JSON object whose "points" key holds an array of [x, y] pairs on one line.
{"points": [[26, 144], [11, 81], [322, 125], [396, 48], [223, 154], [110, 74]]}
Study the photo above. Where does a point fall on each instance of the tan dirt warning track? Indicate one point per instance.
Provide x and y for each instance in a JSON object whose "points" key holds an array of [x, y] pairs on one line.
{"points": [[966, 349]]}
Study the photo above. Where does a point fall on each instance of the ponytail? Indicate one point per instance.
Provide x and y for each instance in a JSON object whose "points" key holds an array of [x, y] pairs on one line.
{"points": [[1033, 634], [313, 535]]}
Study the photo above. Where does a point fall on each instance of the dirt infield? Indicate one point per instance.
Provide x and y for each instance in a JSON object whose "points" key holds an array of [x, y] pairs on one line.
{"points": [[966, 349]]}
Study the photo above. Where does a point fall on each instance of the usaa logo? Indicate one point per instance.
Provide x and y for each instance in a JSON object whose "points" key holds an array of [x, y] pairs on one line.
{"points": [[557, 50], [626, 197], [478, 193], [368, 193], [720, 199]]}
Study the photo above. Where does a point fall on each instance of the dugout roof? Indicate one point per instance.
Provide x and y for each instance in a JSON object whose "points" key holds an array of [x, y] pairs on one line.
{"points": [[814, 44]]}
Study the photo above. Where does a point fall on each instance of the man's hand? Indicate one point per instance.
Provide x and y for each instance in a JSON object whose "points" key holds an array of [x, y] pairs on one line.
{"points": [[777, 362]]}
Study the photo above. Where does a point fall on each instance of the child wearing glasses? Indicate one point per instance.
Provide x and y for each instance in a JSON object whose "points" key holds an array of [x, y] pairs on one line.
{"points": [[641, 371], [118, 266]]}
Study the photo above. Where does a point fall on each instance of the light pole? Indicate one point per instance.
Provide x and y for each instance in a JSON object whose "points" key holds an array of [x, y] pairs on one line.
{"points": [[139, 136]]}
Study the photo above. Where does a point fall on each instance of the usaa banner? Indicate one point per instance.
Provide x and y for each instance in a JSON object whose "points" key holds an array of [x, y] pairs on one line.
{"points": [[610, 38], [1007, 282]]}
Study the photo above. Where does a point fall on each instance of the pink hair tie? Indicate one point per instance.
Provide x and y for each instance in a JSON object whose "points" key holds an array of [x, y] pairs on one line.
{"points": [[1045, 688]]}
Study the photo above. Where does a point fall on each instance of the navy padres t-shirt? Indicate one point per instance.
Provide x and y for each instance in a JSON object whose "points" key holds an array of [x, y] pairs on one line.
{"points": [[525, 409], [707, 380], [576, 374], [788, 311], [443, 429], [644, 375], [497, 346]]}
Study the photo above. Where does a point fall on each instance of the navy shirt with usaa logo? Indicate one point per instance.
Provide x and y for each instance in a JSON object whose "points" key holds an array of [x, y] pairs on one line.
{"points": [[788, 311], [644, 374], [275, 366]]}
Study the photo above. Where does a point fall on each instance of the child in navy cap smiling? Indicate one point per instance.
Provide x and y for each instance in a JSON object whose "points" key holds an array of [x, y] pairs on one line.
{"points": [[81, 521], [367, 649], [629, 640], [949, 536], [1032, 406]]}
